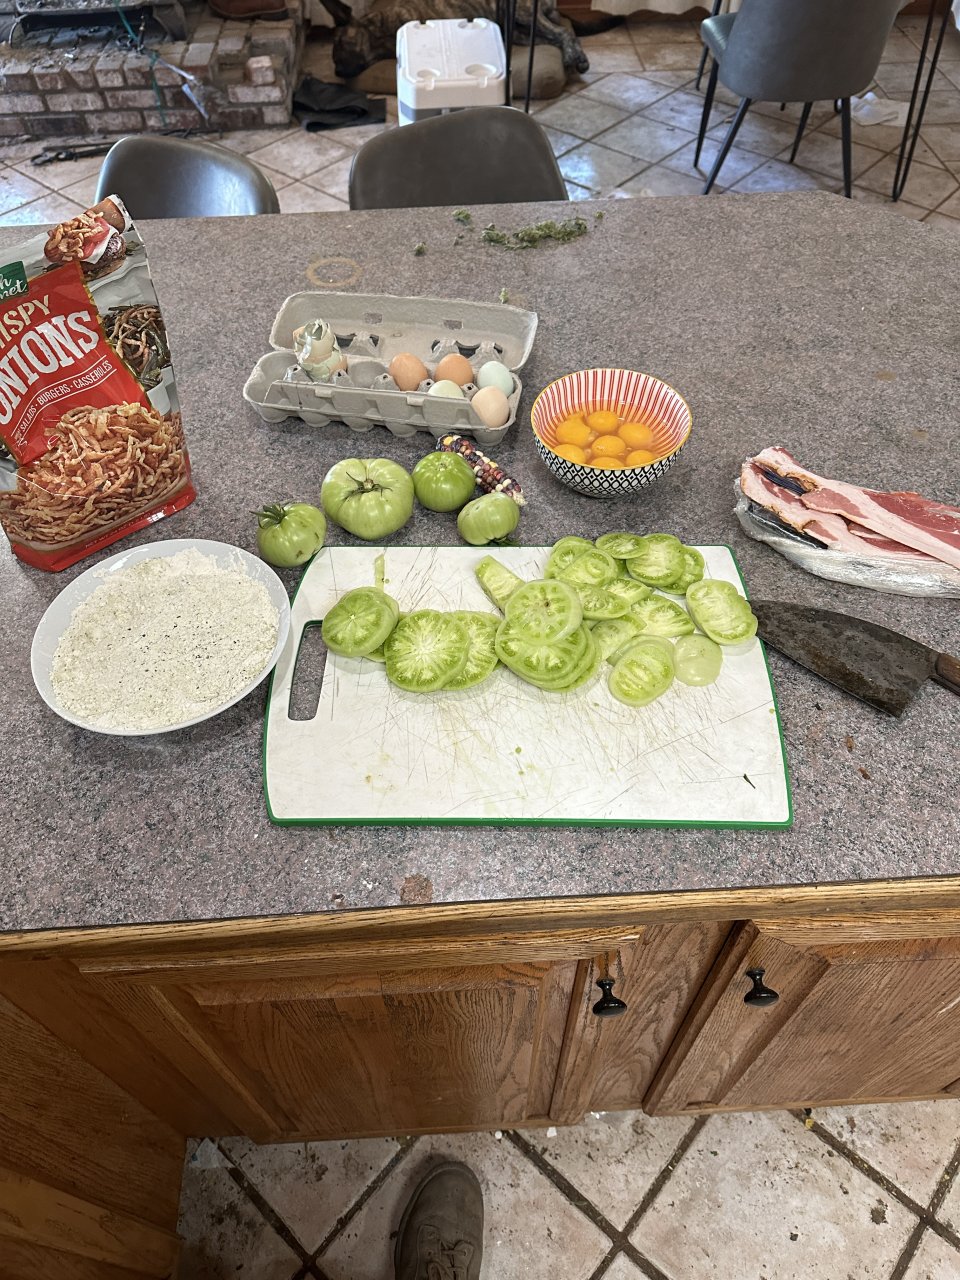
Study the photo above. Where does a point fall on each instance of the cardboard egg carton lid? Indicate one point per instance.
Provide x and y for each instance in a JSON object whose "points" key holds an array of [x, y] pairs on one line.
{"points": [[383, 326]]}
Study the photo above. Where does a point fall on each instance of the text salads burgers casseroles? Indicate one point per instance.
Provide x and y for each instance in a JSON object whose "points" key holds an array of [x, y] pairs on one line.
{"points": [[91, 444]]}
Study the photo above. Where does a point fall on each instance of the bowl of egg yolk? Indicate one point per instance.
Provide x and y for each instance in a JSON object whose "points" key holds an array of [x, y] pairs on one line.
{"points": [[608, 432]]}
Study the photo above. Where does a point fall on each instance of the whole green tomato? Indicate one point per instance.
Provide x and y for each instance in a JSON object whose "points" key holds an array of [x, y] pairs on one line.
{"points": [[443, 481], [369, 497], [488, 519], [289, 533]]}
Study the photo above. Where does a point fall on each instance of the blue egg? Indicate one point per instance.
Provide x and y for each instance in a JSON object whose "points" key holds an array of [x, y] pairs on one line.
{"points": [[495, 374]]}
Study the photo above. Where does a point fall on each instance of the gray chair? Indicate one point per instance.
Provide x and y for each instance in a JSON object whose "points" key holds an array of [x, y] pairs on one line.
{"points": [[481, 155], [794, 51], [159, 177]]}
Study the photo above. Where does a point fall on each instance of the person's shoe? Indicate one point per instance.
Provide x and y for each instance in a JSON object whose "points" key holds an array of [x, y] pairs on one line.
{"points": [[441, 1232]]}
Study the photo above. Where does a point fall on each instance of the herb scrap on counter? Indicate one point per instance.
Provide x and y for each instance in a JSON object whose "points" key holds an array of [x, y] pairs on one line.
{"points": [[528, 237], [503, 296], [464, 216], [419, 249]]}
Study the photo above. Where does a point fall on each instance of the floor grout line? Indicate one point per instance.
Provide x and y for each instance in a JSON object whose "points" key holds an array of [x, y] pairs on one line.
{"points": [[406, 1146], [666, 1173], [265, 1209], [923, 1212]]}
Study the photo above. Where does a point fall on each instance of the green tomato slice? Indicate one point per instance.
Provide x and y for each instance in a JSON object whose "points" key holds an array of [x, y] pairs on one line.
{"points": [[659, 644], [563, 554], [600, 604], [628, 590], [549, 666], [659, 563], [613, 635], [482, 657], [641, 677], [498, 582], [721, 612], [588, 669], [622, 546], [661, 617], [426, 650], [592, 568], [697, 660], [360, 622], [693, 570], [544, 611]]}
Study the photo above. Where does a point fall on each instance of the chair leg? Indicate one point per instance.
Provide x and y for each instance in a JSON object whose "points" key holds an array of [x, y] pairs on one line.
{"points": [[845, 136], [804, 117], [703, 65], [732, 132], [707, 107]]}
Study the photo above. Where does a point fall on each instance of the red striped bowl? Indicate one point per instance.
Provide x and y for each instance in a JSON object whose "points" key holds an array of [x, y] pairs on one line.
{"points": [[637, 396]]}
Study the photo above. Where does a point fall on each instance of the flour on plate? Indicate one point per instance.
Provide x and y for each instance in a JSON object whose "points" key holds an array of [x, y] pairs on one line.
{"points": [[163, 641]]}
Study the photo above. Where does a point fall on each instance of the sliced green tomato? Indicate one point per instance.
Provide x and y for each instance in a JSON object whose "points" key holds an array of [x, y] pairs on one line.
{"points": [[628, 590], [659, 563], [592, 568], [693, 568], [482, 657], [620, 545], [498, 582], [659, 616], [377, 655], [721, 612], [545, 610], [359, 622], [426, 650], [641, 677], [600, 604], [613, 635], [657, 643], [589, 668], [549, 666], [563, 554], [697, 660]]}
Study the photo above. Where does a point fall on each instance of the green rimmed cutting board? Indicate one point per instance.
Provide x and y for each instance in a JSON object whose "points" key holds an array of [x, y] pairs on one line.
{"points": [[505, 752]]}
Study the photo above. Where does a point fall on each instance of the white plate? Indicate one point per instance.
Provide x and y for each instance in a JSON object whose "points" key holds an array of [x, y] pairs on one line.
{"points": [[57, 617]]}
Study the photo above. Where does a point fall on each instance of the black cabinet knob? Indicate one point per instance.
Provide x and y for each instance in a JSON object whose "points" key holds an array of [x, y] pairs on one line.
{"points": [[758, 993], [608, 1006]]}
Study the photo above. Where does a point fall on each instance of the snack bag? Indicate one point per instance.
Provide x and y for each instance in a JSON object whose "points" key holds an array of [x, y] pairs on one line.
{"points": [[91, 445]]}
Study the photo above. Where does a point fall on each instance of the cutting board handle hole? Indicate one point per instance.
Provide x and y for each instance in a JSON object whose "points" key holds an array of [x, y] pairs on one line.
{"points": [[307, 674]]}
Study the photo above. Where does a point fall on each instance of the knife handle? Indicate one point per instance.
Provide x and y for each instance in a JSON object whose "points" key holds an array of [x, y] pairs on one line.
{"points": [[947, 672]]}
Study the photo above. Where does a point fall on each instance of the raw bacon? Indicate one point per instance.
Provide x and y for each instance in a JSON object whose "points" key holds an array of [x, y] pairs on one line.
{"points": [[906, 520]]}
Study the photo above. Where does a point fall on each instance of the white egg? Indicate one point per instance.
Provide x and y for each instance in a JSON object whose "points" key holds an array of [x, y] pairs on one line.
{"points": [[446, 388], [492, 406], [495, 374]]}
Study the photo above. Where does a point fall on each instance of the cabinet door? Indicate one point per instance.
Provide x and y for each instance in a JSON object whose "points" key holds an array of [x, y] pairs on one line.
{"points": [[868, 1009], [608, 1063]]}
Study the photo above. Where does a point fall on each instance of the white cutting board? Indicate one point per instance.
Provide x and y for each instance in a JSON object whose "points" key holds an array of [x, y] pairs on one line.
{"points": [[505, 751]]}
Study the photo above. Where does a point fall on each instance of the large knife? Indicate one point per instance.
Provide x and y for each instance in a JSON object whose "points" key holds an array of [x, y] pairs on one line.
{"points": [[877, 665]]}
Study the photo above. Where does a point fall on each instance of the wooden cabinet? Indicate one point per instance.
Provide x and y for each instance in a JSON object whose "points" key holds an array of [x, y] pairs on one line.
{"points": [[869, 1009]]}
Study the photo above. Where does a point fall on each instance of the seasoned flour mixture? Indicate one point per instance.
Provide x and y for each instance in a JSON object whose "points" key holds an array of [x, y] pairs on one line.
{"points": [[163, 641]]}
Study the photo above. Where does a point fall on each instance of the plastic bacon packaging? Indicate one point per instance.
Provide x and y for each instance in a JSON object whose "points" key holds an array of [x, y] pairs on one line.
{"points": [[898, 542]]}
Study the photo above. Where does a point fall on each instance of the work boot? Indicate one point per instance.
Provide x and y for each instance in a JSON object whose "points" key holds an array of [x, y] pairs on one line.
{"points": [[441, 1232]]}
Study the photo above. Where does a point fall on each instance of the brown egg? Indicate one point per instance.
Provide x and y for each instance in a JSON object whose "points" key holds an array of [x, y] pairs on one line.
{"points": [[408, 371], [456, 368]]}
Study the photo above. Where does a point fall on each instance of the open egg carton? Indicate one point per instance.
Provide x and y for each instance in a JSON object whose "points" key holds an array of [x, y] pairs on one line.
{"points": [[370, 331]]}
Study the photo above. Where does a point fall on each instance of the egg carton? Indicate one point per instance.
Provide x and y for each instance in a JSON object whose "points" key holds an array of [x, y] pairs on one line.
{"points": [[371, 330]]}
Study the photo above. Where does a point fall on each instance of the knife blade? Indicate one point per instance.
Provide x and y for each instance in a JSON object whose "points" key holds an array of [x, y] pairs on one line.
{"points": [[873, 663]]}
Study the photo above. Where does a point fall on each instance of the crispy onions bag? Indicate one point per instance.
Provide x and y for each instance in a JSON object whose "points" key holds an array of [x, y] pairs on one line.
{"points": [[91, 445]]}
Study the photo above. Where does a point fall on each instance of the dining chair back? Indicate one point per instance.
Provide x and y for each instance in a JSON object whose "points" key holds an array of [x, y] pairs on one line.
{"points": [[795, 51], [481, 155], [160, 177]]}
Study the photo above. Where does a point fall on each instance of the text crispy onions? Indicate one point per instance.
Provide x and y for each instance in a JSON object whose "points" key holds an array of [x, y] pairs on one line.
{"points": [[105, 466]]}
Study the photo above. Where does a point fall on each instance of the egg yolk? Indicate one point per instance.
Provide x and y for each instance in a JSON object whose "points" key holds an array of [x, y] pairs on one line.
{"points": [[609, 447], [572, 452], [640, 458], [603, 421], [574, 431], [637, 435], [608, 464]]}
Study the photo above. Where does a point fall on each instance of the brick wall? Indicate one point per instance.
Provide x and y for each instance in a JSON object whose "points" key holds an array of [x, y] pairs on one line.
{"points": [[247, 72]]}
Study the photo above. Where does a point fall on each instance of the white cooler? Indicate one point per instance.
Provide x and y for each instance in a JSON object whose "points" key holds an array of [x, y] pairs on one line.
{"points": [[445, 64]]}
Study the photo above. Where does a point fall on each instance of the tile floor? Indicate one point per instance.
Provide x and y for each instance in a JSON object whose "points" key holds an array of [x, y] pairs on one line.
{"points": [[625, 128], [862, 1193]]}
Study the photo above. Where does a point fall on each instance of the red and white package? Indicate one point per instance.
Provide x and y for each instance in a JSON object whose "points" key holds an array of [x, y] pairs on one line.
{"points": [[89, 415]]}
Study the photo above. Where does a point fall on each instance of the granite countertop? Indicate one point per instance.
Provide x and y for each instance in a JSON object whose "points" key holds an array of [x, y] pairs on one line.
{"points": [[827, 326]]}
